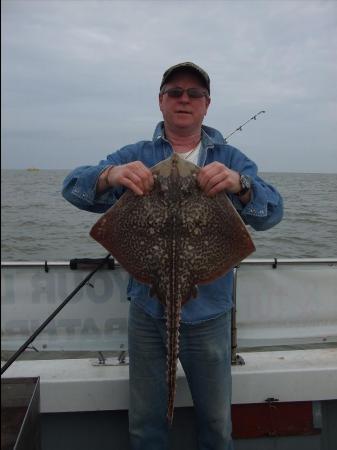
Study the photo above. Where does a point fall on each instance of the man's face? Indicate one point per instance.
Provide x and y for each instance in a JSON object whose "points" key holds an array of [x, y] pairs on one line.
{"points": [[184, 114]]}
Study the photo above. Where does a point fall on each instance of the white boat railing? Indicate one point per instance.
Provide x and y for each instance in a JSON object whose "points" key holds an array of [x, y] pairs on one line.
{"points": [[279, 302]]}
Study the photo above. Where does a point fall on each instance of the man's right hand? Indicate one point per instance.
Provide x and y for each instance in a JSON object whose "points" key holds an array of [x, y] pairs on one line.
{"points": [[134, 175]]}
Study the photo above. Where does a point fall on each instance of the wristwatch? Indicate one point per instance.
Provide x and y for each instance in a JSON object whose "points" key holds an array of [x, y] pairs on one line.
{"points": [[246, 184]]}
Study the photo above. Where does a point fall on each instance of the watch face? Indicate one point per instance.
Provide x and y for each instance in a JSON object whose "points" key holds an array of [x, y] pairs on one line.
{"points": [[245, 182]]}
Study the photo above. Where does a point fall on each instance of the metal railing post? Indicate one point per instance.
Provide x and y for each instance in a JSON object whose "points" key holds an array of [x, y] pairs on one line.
{"points": [[235, 358]]}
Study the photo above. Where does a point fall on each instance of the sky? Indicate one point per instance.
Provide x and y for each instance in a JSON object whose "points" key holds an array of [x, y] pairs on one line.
{"points": [[80, 79]]}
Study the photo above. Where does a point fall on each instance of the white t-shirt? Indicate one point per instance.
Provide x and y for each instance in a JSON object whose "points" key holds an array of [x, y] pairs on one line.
{"points": [[191, 155]]}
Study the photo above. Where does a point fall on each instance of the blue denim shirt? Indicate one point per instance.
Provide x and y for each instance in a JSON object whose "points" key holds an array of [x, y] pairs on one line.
{"points": [[264, 210]]}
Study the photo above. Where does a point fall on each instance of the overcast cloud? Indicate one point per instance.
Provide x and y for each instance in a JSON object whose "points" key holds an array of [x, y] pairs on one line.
{"points": [[81, 78]]}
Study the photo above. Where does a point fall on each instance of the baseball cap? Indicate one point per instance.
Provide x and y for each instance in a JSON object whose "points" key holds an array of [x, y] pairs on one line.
{"points": [[186, 66]]}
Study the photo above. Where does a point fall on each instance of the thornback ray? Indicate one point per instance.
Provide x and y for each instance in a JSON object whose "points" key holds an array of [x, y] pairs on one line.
{"points": [[173, 239]]}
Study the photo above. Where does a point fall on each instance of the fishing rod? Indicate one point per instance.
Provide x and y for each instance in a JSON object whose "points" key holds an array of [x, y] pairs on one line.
{"points": [[239, 128], [51, 317], [86, 279]]}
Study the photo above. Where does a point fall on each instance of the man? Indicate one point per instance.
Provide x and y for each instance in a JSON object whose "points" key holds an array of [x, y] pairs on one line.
{"points": [[204, 348]]}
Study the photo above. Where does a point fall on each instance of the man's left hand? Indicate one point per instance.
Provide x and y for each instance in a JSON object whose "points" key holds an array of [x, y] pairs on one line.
{"points": [[216, 177]]}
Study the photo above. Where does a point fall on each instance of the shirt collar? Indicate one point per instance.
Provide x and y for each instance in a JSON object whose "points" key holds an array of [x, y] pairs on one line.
{"points": [[209, 136]]}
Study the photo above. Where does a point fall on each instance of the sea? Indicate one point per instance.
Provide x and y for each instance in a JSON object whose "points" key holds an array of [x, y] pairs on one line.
{"points": [[38, 224]]}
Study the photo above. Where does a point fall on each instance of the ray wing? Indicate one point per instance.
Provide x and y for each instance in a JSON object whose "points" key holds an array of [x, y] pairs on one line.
{"points": [[133, 231], [214, 237]]}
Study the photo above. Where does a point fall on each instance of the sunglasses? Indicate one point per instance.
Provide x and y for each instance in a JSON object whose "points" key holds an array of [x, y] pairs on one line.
{"points": [[177, 92]]}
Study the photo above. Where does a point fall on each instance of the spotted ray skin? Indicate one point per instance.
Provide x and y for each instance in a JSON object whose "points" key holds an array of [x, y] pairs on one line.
{"points": [[173, 239]]}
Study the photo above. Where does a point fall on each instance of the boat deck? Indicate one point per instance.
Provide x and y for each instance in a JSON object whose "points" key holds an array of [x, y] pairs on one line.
{"points": [[78, 395]]}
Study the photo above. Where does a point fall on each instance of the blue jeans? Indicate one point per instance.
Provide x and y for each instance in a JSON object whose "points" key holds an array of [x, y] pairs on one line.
{"points": [[205, 354]]}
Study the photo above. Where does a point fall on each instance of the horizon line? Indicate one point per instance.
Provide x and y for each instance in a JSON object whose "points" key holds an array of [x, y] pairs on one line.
{"points": [[260, 171]]}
